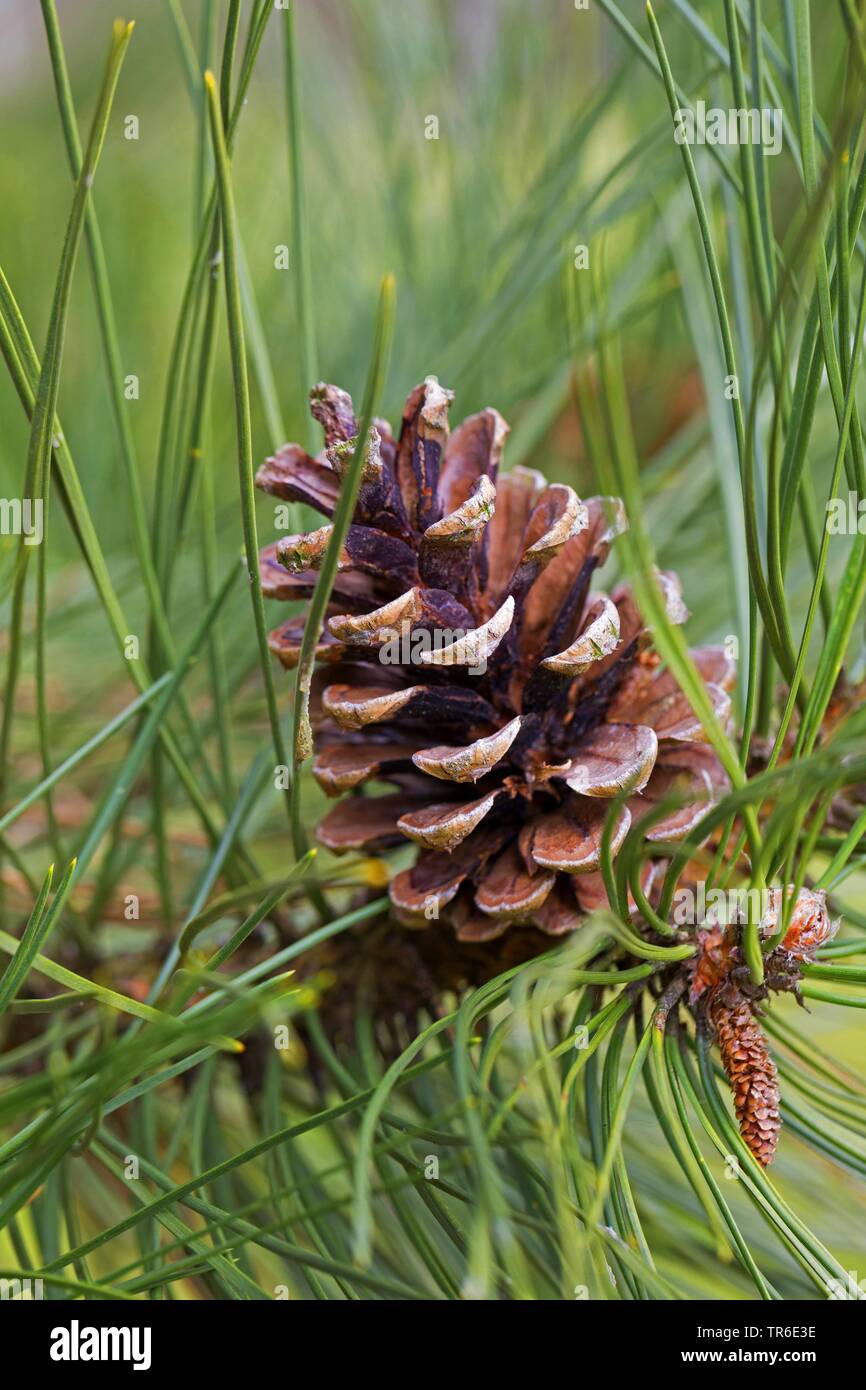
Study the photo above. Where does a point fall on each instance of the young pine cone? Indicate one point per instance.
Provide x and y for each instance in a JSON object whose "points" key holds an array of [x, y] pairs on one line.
{"points": [[750, 1070], [466, 663], [720, 985]]}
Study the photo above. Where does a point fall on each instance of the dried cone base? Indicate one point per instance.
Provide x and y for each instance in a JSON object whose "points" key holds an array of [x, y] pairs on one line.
{"points": [[467, 663], [401, 978]]}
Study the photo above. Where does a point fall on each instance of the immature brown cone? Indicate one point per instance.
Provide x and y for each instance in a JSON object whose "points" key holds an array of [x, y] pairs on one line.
{"points": [[750, 1070], [466, 663], [721, 989]]}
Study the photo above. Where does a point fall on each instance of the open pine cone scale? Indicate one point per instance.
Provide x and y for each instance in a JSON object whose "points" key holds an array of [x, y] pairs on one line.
{"points": [[467, 663]]}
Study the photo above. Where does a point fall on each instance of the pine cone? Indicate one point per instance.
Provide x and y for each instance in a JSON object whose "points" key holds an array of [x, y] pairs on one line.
{"points": [[467, 664], [750, 1070], [720, 987]]}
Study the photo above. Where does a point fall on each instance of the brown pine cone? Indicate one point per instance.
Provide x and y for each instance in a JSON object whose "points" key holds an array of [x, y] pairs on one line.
{"points": [[721, 991], [750, 1070], [466, 663]]}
